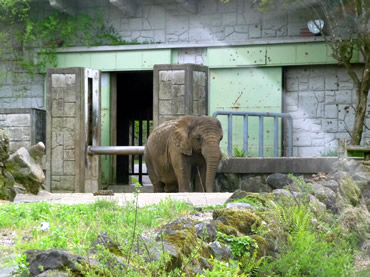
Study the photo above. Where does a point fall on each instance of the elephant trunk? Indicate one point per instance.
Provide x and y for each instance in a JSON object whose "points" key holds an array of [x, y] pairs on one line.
{"points": [[212, 155]]}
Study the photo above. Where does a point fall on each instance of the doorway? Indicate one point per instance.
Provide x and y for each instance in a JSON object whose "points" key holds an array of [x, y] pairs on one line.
{"points": [[132, 107]]}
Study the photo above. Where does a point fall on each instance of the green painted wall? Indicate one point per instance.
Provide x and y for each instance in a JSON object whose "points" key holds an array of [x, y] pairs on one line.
{"points": [[272, 55], [247, 89], [116, 60]]}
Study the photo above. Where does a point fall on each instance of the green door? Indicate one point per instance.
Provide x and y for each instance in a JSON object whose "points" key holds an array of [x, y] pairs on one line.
{"points": [[247, 89]]}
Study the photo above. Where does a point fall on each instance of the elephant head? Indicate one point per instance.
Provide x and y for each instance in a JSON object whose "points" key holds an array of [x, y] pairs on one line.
{"points": [[200, 135]]}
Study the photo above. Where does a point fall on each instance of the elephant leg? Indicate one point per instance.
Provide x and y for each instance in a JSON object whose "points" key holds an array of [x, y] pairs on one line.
{"points": [[184, 177], [158, 187], [200, 178]]}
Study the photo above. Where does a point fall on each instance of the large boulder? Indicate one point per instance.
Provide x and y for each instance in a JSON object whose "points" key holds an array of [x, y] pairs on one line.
{"points": [[278, 180], [7, 191], [26, 170], [44, 260], [254, 184]]}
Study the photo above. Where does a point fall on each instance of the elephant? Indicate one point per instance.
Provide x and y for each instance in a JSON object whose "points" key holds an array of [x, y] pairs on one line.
{"points": [[184, 152]]}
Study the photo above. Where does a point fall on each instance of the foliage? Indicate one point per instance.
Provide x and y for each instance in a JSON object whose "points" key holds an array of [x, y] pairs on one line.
{"points": [[346, 31], [221, 268], [238, 152], [309, 254], [301, 185], [249, 200], [27, 35], [238, 245]]}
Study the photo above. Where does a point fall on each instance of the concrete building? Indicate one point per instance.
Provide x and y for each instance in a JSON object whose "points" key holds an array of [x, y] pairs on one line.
{"points": [[241, 59]]}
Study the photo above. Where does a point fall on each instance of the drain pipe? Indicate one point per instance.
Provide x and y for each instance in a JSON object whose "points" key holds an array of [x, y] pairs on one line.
{"points": [[115, 150]]}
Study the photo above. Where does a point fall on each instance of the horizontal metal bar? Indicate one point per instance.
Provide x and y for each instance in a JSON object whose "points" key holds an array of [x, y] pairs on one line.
{"points": [[265, 114], [115, 150]]}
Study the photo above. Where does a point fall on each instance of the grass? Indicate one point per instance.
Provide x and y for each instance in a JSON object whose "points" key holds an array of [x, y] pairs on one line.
{"points": [[75, 227], [305, 250]]}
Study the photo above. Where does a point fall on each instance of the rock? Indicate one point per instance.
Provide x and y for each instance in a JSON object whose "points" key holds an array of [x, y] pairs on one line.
{"points": [[240, 219], [331, 184], [105, 241], [325, 195], [37, 151], [7, 191], [262, 245], [227, 182], [206, 231], [349, 190], [52, 260], [237, 205], [254, 184], [283, 193], [362, 180], [26, 170], [278, 180], [240, 195], [7, 272], [54, 273], [348, 165], [181, 234], [222, 253]]}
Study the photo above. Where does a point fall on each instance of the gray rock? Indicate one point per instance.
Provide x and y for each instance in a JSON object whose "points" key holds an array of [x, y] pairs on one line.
{"points": [[37, 151], [52, 260], [237, 205], [348, 165], [53, 273], [7, 272], [206, 231], [105, 241], [220, 252], [7, 191], [26, 170], [283, 193], [278, 180], [254, 184], [331, 184], [227, 182], [325, 195]]}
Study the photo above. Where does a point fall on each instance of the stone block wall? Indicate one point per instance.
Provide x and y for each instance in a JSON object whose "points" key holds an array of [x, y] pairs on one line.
{"points": [[321, 100], [179, 90], [25, 127], [167, 21]]}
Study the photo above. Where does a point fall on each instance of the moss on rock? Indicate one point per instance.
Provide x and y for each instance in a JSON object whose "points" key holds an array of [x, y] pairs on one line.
{"points": [[350, 191], [240, 219]]}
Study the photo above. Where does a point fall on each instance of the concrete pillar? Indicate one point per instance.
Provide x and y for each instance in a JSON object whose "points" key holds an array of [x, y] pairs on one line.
{"points": [[179, 90], [73, 123]]}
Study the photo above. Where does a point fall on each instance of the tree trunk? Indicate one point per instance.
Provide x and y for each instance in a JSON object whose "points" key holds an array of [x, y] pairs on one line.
{"points": [[360, 114]]}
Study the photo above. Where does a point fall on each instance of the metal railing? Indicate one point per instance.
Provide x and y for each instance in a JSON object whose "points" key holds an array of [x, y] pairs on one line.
{"points": [[261, 116]]}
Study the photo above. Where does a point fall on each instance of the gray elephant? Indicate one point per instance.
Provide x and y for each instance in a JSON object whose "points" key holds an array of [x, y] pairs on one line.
{"points": [[183, 152]]}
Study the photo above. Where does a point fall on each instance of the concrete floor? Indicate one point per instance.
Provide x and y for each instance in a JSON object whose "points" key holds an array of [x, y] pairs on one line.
{"points": [[197, 199]]}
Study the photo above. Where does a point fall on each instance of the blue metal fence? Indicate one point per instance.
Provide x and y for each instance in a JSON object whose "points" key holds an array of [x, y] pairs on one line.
{"points": [[261, 116]]}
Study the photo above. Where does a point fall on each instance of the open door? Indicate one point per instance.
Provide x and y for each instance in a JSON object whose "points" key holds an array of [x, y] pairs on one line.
{"points": [[73, 123]]}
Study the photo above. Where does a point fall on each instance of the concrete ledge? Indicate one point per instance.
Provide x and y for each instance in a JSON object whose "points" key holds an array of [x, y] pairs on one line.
{"points": [[276, 165]]}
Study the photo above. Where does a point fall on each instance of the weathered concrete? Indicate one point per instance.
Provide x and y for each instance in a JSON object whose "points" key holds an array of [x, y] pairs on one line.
{"points": [[276, 165], [197, 199]]}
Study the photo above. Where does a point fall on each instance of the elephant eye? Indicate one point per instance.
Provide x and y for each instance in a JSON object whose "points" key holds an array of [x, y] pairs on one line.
{"points": [[198, 138]]}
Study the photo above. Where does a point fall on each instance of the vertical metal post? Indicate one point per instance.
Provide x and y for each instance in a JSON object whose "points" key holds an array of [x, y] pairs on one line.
{"points": [[245, 132], [230, 135], [290, 132], [133, 144], [276, 136], [261, 136], [140, 157]]}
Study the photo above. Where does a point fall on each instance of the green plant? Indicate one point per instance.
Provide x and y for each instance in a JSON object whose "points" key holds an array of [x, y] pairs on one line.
{"points": [[238, 245], [222, 268], [238, 152]]}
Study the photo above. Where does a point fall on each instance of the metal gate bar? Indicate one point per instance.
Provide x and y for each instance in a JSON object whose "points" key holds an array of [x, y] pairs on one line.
{"points": [[261, 116]]}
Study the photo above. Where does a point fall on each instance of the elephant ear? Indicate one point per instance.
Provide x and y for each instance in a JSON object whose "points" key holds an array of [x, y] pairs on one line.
{"points": [[181, 135]]}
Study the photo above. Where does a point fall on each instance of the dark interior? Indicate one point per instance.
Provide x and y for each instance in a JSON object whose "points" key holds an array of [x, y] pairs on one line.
{"points": [[134, 102]]}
